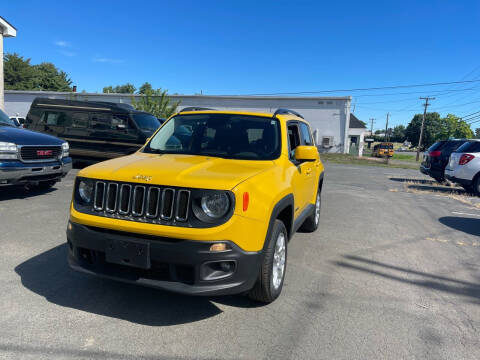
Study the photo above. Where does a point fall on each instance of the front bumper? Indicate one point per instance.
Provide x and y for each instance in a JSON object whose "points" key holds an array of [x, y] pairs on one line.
{"points": [[177, 265], [17, 172]]}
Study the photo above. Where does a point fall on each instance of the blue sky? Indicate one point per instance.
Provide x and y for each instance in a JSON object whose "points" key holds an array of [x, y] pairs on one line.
{"points": [[251, 47]]}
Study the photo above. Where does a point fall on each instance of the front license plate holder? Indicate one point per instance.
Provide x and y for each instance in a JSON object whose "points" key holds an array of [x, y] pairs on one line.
{"points": [[128, 253]]}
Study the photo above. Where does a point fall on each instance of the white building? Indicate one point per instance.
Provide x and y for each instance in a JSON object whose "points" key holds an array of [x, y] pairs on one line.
{"points": [[328, 116], [6, 30]]}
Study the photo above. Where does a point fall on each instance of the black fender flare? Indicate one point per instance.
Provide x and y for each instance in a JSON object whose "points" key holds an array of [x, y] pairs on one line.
{"points": [[281, 205]]}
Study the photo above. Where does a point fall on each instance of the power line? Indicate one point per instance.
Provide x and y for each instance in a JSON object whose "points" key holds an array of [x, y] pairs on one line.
{"points": [[366, 89]]}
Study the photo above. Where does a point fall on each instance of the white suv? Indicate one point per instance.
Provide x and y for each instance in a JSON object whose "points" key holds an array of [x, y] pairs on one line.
{"points": [[464, 166]]}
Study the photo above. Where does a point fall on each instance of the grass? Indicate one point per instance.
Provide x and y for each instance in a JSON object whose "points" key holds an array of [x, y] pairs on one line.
{"points": [[354, 160], [404, 157]]}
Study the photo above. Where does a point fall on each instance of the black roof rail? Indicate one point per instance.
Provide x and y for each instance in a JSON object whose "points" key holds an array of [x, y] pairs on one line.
{"points": [[195, 108], [287, 111]]}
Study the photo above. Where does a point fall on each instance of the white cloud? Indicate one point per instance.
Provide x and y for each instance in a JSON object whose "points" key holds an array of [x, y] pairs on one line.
{"points": [[67, 53], [62, 43], [107, 60]]}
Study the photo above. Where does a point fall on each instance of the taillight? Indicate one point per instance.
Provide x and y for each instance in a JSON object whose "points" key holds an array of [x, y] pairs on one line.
{"points": [[435, 153], [465, 159]]}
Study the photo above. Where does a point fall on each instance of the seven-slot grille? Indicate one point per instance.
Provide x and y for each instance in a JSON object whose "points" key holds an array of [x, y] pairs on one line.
{"points": [[39, 153], [141, 201]]}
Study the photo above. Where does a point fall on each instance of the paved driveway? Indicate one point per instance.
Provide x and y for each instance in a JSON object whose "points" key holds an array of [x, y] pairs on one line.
{"points": [[389, 275]]}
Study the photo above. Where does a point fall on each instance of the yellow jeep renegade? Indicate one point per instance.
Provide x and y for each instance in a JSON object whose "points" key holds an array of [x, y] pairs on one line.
{"points": [[205, 207]]}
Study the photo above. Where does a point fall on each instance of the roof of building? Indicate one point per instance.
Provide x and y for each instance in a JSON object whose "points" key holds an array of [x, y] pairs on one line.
{"points": [[7, 29], [355, 123]]}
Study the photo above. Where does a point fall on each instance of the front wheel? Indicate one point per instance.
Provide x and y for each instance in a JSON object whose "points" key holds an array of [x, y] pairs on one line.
{"points": [[272, 272]]}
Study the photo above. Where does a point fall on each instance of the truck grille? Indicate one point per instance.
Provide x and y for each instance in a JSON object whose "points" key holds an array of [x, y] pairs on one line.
{"points": [[141, 202], [40, 153]]}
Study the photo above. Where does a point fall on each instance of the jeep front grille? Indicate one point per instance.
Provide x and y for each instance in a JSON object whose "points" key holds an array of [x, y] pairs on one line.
{"points": [[141, 202]]}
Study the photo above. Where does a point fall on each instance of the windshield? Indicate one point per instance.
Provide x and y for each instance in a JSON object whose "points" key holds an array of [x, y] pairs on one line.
{"points": [[146, 121], [222, 135], [5, 120]]}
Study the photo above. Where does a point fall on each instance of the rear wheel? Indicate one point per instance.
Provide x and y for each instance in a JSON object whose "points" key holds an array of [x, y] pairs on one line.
{"points": [[468, 188], [272, 272], [476, 186], [311, 223]]}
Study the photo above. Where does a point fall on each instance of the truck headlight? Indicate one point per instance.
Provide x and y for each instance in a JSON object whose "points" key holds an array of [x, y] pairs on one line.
{"points": [[8, 151], [65, 149], [85, 190]]}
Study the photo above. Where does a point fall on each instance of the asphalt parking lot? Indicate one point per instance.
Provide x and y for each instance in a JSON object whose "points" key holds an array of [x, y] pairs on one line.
{"points": [[390, 274]]}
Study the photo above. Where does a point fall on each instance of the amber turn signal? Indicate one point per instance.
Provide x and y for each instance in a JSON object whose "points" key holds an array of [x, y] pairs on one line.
{"points": [[246, 200], [219, 247]]}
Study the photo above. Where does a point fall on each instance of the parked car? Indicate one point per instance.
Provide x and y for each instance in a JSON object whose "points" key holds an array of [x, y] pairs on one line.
{"points": [[464, 166], [435, 159], [95, 130], [30, 158], [206, 207], [18, 120]]}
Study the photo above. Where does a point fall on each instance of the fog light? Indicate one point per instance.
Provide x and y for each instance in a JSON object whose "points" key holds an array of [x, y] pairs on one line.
{"points": [[219, 247], [226, 266]]}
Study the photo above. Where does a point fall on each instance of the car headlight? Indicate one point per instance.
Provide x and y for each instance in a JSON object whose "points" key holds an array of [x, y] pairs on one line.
{"points": [[215, 205], [212, 206], [65, 149], [85, 190], [8, 151]]}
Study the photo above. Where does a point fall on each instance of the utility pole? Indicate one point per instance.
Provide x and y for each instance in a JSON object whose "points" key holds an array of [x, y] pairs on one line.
{"points": [[372, 120], [386, 128], [423, 123]]}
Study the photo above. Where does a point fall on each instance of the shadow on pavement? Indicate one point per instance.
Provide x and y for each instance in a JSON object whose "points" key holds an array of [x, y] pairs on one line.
{"points": [[20, 192], [418, 181], [417, 278], [49, 275], [467, 225], [438, 188]]}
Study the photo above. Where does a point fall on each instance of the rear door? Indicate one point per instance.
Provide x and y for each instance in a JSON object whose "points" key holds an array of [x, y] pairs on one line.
{"points": [[77, 134]]}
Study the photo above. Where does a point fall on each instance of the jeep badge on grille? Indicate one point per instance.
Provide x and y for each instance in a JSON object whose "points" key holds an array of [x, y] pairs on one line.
{"points": [[142, 177]]}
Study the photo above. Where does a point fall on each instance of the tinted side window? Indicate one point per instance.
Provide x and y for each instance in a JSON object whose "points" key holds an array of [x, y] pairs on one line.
{"points": [[79, 120], [120, 121], [101, 121], [470, 146], [451, 146], [293, 140], [306, 136], [55, 118]]}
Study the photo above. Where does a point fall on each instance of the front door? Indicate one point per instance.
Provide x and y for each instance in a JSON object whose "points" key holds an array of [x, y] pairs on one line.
{"points": [[301, 170]]}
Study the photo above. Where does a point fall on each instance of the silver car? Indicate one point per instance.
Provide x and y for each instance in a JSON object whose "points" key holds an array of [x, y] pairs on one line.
{"points": [[463, 166]]}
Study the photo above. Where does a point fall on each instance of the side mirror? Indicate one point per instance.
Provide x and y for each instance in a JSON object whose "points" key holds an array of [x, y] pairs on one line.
{"points": [[306, 153]]}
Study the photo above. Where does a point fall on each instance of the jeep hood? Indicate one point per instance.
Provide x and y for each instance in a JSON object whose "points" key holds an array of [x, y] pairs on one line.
{"points": [[192, 171]]}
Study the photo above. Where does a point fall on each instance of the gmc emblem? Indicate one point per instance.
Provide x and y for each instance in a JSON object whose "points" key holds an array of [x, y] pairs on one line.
{"points": [[44, 152]]}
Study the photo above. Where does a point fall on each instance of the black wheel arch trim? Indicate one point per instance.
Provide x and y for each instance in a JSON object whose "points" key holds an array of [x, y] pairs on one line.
{"points": [[281, 205]]}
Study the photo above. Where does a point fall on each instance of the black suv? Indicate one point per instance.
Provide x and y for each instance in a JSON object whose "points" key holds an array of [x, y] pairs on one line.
{"points": [[436, 158], [95, 130], [28, 157]]}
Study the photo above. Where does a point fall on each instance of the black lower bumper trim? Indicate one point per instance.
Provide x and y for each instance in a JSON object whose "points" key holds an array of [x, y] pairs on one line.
{"points": [[182, 266]]}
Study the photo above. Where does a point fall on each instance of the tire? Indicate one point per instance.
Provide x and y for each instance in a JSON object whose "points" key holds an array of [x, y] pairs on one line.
{"points": [[270, 283], [45, 185], [440, 180], [476, 186], [311, 223], [468, 188]]}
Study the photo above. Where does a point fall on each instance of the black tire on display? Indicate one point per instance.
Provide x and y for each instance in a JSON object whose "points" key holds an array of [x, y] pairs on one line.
{"points": [[311, 223], [272, 272]]}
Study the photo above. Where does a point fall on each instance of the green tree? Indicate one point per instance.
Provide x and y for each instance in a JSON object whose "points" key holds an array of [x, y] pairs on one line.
{"points": [[146, 87], [120, 89], [155, 102], [430, 131], [452, 126], [477, 133], [398, 133], [18, 72], [49, 78]]}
